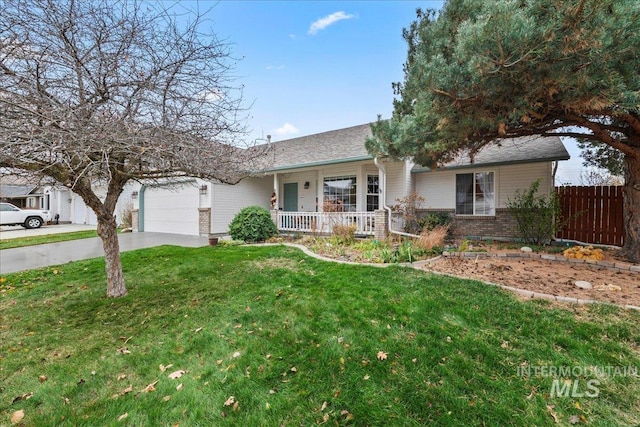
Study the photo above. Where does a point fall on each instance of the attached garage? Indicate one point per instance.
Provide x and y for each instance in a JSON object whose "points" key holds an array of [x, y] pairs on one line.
{"points": [[171, 209]]}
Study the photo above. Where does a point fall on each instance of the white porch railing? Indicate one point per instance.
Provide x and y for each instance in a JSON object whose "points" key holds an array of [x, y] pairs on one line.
{"points": [[323, 222]]}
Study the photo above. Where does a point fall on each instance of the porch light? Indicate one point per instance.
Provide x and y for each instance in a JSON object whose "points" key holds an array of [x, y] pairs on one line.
{"points": [[306, 185], [203, 189]]}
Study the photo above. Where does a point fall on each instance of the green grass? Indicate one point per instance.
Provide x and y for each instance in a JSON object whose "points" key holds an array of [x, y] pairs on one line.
{"points": [[295, 341], [47, 238]]}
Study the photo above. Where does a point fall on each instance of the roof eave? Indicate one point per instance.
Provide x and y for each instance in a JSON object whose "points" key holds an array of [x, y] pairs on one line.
{"points": [[320, 163], [416, 169]]}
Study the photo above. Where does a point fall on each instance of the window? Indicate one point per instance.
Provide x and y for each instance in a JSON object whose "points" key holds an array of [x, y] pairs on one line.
{"points": [[373, 192], [475, 194], [340, 193]]}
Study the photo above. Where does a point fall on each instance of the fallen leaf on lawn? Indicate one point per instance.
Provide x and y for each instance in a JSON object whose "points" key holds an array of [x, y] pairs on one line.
{"points": [[247, 309], [66, 400], [505, 344], [219, 362], [448, 339], [348, 415], [574, 419], [179, 386], [123, 350], [230, 401], [235, 354], [121, 377], [55, 272], [238, 326], [164, 368], [126, 390], [294, 369], [382, 355], [176, 374], [151, 387], [17, 416], [533, 393], [198, 330], [552, 413], [236, 406], [366, 377], [325, 418], [324, 406], [577, 405], [166, 398], [42, 378], [414, 360], [22, 397], [123, 416]]}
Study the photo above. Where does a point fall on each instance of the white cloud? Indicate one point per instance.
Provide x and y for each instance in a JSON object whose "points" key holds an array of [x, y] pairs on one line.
{"points": [[323, 23], [275, 67], [286, 129]]}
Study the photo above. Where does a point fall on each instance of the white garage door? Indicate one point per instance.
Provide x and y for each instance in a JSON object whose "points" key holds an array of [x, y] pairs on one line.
{"points": [[171, 210]]}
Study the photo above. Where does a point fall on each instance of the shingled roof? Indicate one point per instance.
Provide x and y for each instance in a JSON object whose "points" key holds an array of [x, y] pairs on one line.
{"points": [[336, 146], [347, 145], [526, 149]]}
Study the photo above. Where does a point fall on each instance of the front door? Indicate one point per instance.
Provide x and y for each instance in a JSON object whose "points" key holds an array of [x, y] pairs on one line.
{"points": [[291, 197]]}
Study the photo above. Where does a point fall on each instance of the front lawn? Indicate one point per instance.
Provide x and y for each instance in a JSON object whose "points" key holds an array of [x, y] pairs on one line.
{"points": [[46, 238], [266, 336]]}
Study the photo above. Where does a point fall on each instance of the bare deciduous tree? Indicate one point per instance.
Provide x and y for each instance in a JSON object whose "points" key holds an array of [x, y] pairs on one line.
{"points": [[104, 92]]}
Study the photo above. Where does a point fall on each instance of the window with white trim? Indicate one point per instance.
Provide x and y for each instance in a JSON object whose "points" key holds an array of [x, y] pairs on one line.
{"points": [[373, 192], [475, 193], [340, 193]]}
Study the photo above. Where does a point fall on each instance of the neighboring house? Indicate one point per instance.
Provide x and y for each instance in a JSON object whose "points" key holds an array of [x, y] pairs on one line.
{"points": [[57, 199], [329, 178]]}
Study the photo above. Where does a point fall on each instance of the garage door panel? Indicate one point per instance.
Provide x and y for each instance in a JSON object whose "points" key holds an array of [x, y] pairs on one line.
{"points": [[171, 211]]}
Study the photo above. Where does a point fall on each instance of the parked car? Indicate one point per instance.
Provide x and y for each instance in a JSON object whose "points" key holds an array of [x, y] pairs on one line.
{"points": [[28, 218]]}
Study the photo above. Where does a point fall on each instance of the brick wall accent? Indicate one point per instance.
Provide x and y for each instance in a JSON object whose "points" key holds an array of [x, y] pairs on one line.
{"points": [[135, 219], [501, 225], [381, 222], [204, 221]]}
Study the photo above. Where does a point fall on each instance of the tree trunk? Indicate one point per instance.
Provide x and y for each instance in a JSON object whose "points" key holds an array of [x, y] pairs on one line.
{"points": [[631, 248], [108, 232]]}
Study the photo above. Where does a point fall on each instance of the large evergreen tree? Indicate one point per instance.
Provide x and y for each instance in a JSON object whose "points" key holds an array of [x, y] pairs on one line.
{"points": [[478, 71]]}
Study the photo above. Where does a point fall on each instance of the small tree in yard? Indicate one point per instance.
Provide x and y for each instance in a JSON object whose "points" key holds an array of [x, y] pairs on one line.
{"points": [[102, 92], [538, 217]]}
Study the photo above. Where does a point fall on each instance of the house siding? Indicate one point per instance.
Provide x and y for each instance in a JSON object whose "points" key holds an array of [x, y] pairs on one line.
{"points": [[520, 177], [396, 182], [227, 200]]}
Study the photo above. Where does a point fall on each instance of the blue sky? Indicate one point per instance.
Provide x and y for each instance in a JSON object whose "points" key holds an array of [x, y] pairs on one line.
{"points": [[313, 66]]}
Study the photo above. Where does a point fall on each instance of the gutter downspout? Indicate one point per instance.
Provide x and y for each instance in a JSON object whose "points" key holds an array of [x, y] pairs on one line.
{"points": [[141, 208], [383, 173]]}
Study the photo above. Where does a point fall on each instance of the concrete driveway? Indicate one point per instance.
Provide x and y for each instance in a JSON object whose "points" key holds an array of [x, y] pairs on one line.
{"points": [[29, 257]]}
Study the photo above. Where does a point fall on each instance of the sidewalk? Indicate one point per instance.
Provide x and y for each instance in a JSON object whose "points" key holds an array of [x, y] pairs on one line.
{"points": [[30, 257]]}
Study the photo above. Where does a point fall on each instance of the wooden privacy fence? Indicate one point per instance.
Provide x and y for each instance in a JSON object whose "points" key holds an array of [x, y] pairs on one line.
{"points": [[595, 214]]}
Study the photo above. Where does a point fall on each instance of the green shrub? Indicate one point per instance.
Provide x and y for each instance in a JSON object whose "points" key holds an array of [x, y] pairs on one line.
{"points": [[252, 224], [538, 217], [433, 220]]}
